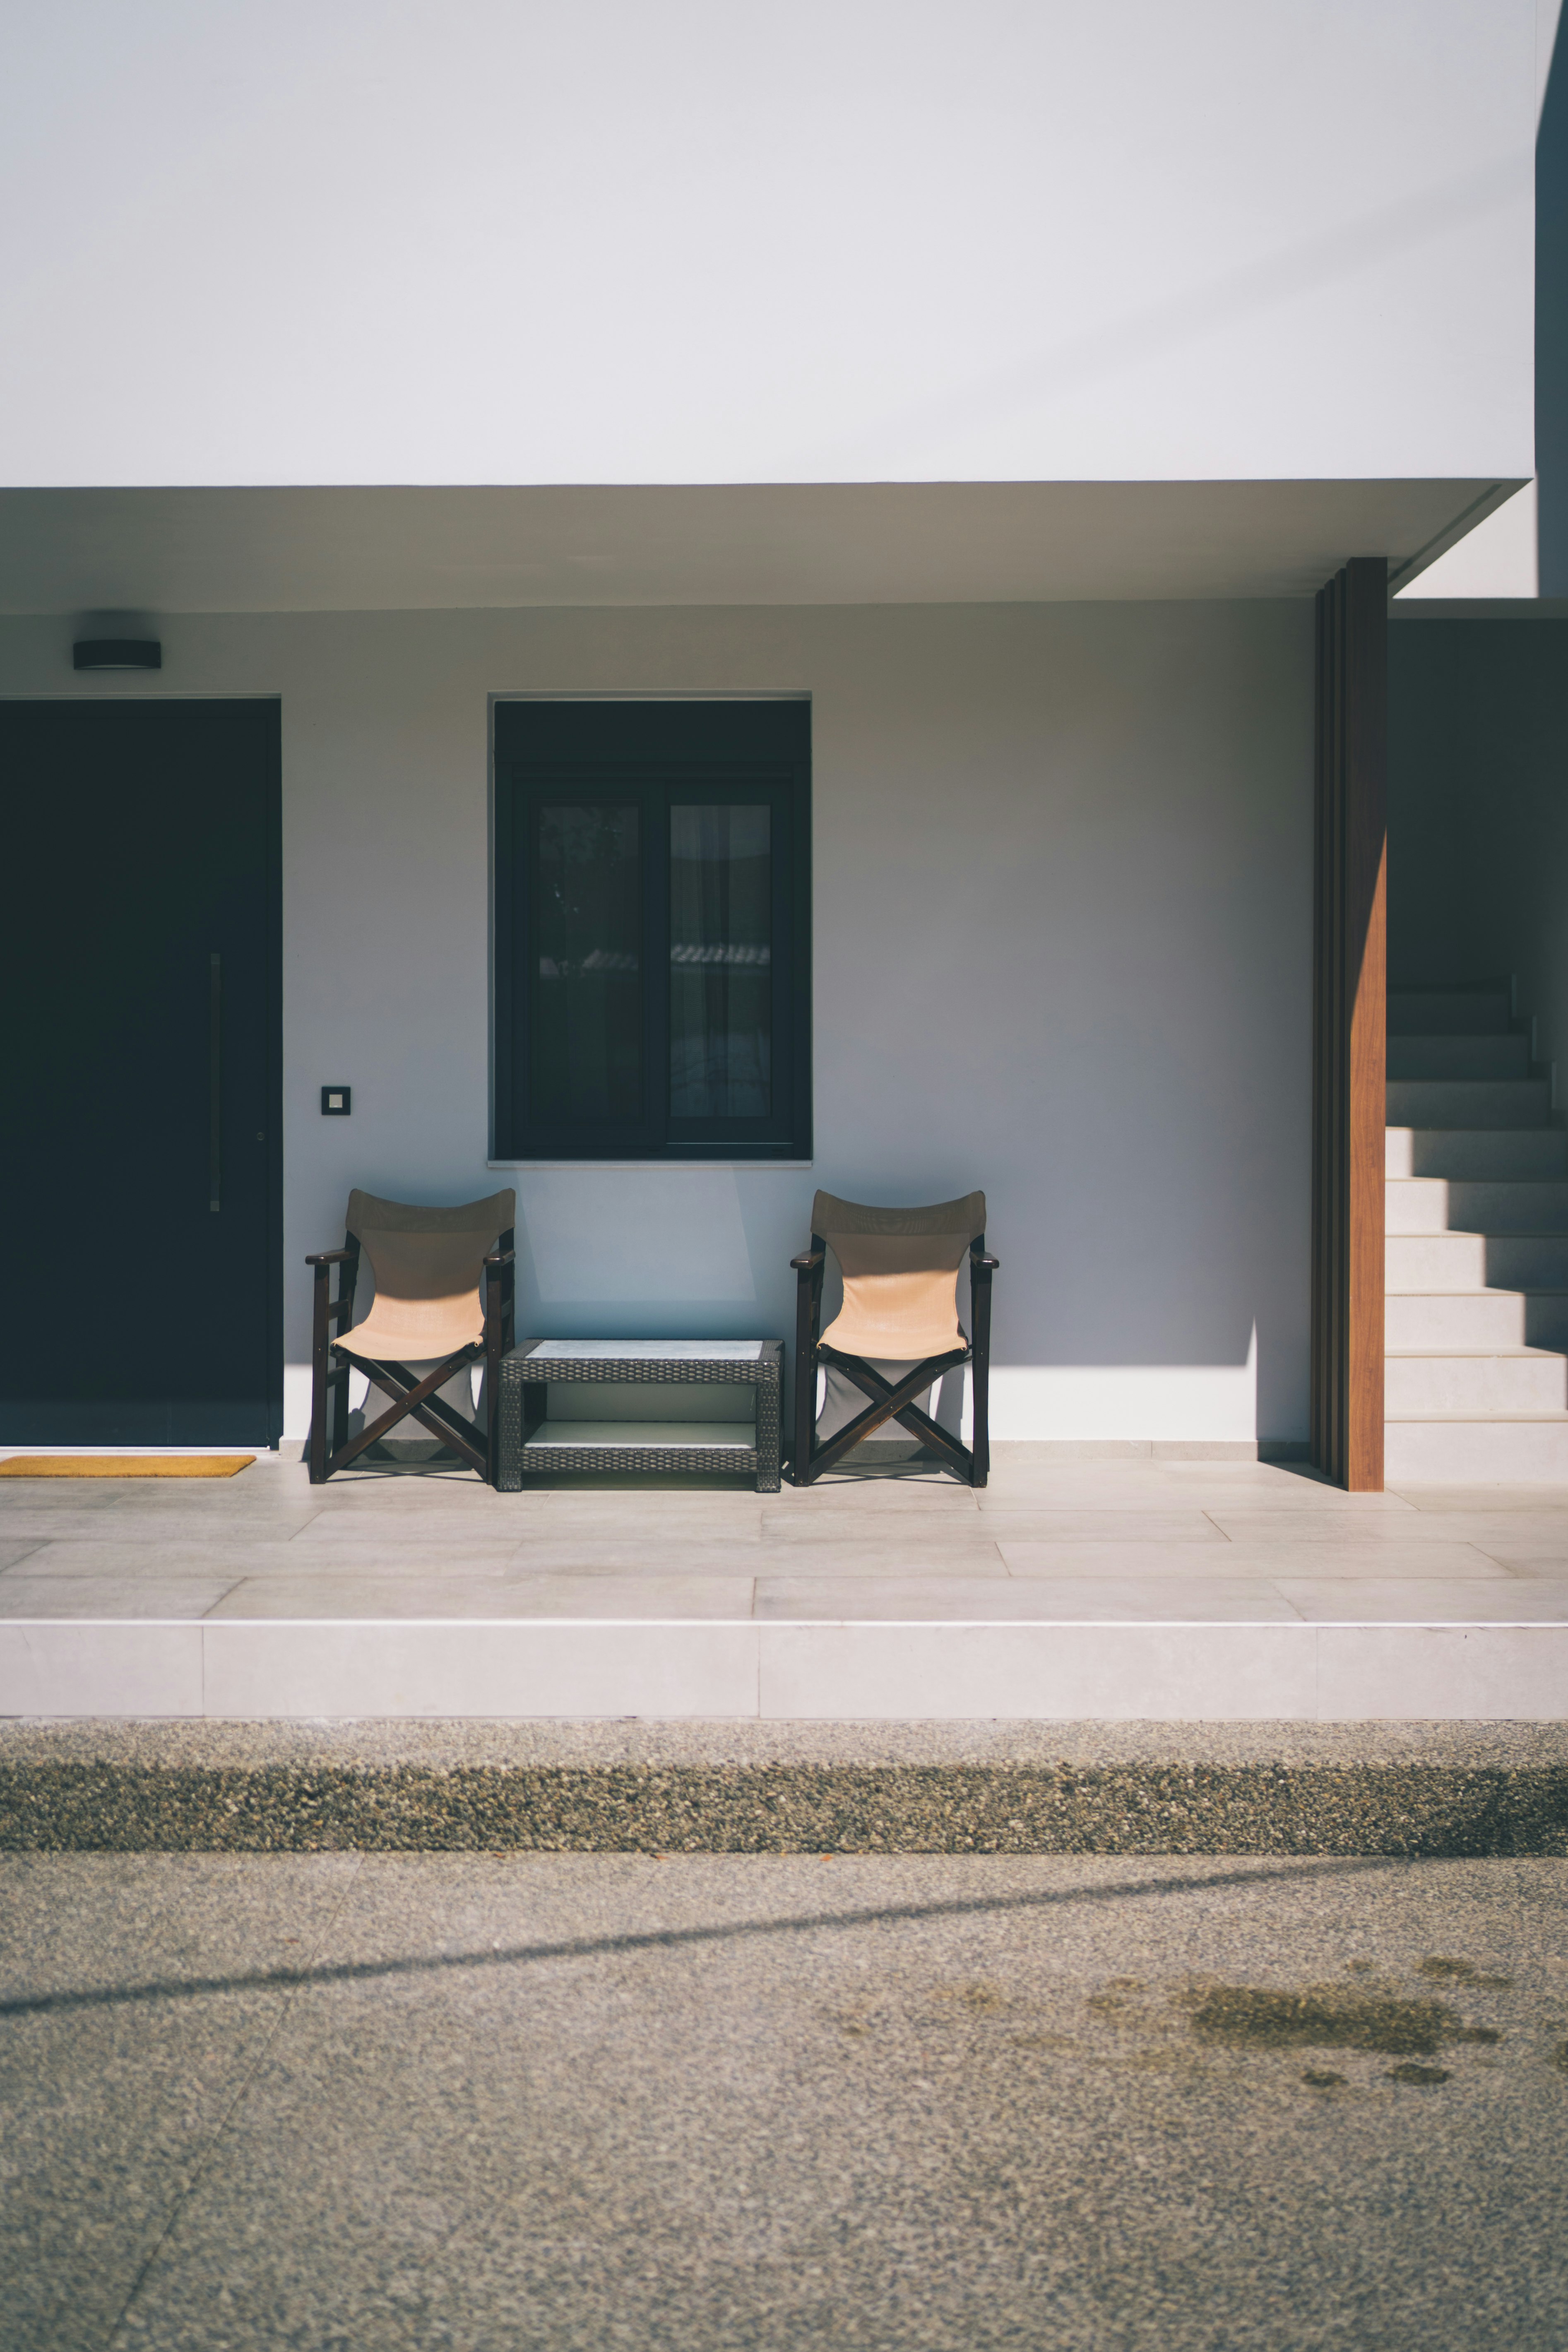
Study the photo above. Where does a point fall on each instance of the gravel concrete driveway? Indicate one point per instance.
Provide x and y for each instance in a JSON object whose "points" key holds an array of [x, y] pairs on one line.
{"points": [[729, 2101]]}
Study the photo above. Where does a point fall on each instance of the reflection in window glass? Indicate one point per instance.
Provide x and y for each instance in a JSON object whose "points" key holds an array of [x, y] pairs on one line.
{"points": [[721, 955], [585, 1026]]}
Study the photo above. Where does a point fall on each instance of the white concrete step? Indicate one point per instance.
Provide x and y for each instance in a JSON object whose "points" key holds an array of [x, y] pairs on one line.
{"points": [[1477, 1449], [1458, 1057], [1467, 1102], [1486, 1656], [1509, 1380], [1444, 1322], [1434, 1204], [1420, 1262], [1484, 1154], [1448, 1011]]}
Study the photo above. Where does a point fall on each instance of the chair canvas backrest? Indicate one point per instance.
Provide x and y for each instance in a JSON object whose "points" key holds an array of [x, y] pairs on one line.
{"points": [[900, 1268], [428, 1264]]}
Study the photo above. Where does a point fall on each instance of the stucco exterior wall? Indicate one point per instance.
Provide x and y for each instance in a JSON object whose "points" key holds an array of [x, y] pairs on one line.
{"points": [[607, 243], [1062, 950]]}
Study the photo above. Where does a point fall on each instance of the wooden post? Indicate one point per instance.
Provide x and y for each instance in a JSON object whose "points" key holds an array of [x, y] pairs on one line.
{"points": [[1350, 1025]]}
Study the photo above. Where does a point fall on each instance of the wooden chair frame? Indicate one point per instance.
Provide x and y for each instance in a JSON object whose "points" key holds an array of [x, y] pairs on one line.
{"points": [[809, 1459], [414, 1398]]}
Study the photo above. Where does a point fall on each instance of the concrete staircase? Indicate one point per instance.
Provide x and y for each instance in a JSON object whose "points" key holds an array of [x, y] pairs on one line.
{"points": [[1477, 1329]]}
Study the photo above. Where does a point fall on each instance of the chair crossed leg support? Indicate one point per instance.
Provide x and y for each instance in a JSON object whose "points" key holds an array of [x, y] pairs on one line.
{"points": [[890, 1402], [415, 1399]]}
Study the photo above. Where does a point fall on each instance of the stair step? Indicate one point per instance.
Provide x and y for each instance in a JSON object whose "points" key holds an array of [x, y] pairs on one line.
{"points": [[1463, 1321], [1475, 1258], [1467, 1102], [1487, 1154], [1508, 1380], [1438, 1204], [1448, 1011], [1477, 1449], [1458, 1057], [1424, 1262]]}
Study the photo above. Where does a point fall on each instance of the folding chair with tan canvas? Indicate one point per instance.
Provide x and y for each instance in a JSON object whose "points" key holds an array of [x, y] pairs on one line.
{"points": [[898, 1331], [445, 1287]]}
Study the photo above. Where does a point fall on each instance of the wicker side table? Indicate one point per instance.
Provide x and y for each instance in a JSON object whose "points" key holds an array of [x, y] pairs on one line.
{"points": [[537, 1437]]}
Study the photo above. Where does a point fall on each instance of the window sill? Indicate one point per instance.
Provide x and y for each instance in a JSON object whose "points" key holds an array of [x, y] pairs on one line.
{"points": [[540, 1167]]}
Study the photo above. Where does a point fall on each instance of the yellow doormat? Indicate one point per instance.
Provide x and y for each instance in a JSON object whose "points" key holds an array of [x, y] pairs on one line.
{"points": [[125, 1465]]}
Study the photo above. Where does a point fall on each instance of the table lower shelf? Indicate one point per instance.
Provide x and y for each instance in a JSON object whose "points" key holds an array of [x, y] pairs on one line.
{"points": [[645, 1445], [734, 1436]]}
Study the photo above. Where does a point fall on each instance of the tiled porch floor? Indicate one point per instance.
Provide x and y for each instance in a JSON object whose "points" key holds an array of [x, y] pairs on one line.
{"points": [[1137, 1587]]}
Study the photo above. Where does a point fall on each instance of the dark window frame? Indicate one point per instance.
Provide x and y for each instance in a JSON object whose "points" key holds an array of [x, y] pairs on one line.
{"points": [[657, 753]]}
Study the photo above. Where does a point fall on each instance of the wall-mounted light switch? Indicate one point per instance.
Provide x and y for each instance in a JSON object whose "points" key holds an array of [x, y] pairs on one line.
{"points": [[336, 1101]]}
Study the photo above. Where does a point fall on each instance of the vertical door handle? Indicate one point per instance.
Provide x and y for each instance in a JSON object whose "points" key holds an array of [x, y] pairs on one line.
{"points": [[215, 1086]]}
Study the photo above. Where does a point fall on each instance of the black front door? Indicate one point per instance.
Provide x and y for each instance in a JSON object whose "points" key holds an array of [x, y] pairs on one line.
{"points": [[139, 877]]}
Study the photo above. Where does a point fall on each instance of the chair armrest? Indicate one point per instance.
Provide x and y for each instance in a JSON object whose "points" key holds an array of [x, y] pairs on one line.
{"points": [[502, 1257], [332, 1257], [804, 1265]]}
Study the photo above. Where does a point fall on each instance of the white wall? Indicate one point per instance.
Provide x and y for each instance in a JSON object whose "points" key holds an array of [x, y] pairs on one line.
{"points": [[511, 241], [1062, 913], [1522, 549]]}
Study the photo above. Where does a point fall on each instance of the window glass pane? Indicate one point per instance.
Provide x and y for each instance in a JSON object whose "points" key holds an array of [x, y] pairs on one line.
{"points": [[586, 1025], [720, 954]]}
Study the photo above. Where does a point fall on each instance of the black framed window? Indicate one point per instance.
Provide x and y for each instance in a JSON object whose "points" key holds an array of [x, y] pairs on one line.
{"points": [[652, 931]]}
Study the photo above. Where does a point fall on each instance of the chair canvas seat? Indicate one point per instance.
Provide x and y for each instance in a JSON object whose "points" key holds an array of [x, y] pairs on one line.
{"points": [[376, 1342], [900, 1295], [427, 1301]]}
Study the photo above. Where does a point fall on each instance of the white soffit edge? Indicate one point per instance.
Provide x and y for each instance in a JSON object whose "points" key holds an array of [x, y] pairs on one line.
{"points": [[402, 549], [1498, 558]]}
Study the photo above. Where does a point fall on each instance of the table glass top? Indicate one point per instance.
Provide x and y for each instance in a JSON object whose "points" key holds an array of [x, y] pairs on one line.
{"points": [[643, 1351]]}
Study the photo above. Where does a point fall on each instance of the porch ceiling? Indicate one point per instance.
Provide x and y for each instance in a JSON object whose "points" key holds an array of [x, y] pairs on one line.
{"points": [[325, 549]]}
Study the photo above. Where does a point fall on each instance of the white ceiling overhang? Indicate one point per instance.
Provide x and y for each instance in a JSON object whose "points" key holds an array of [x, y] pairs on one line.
{"points": [[336, 550]]}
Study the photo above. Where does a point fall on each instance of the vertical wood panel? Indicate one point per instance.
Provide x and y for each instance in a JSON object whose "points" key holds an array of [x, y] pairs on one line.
{"points": [[1350, 1025]]}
